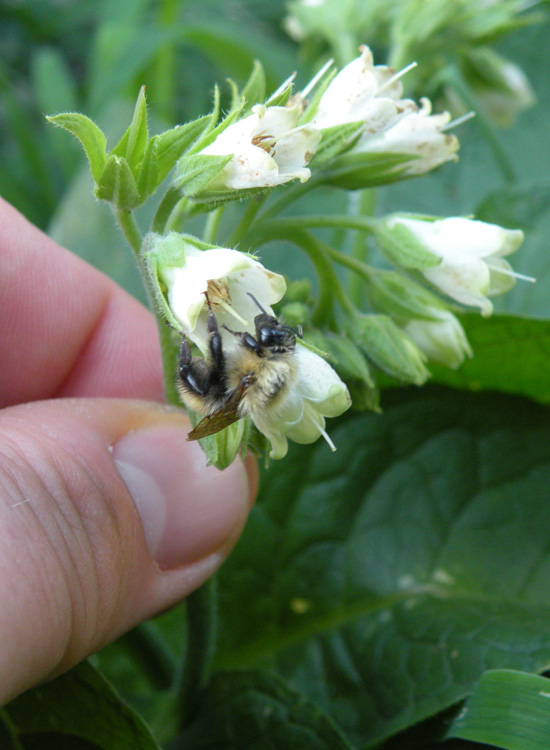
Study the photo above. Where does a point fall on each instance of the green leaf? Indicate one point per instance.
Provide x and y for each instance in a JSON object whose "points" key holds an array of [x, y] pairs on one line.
{"points": [[511, 354], [117, 184], [90, 136], [133, 143], [508, 709], [253, 91], [171, 144], [252, 710], [79, 705], [384, 579], [148, 174]]}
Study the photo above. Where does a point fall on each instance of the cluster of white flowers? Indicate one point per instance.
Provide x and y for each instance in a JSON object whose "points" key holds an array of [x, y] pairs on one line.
{"points": [[269, 147], [371, 94]]}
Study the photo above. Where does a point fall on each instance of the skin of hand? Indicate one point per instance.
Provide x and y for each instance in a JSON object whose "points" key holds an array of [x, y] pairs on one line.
{"points": [[107, 514]]}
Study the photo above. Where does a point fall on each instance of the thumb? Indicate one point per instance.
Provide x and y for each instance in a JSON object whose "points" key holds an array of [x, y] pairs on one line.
{"points": [[107, 516]]}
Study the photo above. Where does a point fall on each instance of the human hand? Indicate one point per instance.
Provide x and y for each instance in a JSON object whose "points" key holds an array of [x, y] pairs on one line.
{"points": [[107, 514]]}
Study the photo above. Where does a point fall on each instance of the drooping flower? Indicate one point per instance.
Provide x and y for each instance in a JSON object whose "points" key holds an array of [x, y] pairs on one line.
{"points": [[268, 149], [187, 273], [472, 266]]}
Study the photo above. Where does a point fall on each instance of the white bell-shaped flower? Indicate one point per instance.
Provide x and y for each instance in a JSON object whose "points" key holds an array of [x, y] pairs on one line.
{"points": [[472, 266], [268, 149]]}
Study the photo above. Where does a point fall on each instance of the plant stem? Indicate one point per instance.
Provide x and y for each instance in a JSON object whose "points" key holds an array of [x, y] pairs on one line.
{"points": [[362, 205], [202, 629], [317, 251], [337, 221], [129, 228], [133, 237], [164, 210], [149, 651], [11, 729], [246, 220], [212, 225], [292, 194]]}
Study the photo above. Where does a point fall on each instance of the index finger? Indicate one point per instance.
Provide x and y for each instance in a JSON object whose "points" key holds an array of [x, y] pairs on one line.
{"points": [[65, 328]]}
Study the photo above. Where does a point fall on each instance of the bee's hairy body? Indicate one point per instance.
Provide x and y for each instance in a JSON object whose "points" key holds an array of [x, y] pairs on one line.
{"points": [[249, 379]]}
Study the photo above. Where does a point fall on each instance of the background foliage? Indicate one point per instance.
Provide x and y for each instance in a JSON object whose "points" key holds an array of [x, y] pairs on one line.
{"points": [[370, 591]]}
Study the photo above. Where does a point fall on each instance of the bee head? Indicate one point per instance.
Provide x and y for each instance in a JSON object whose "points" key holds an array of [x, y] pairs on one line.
{"points": [[271, 333]]}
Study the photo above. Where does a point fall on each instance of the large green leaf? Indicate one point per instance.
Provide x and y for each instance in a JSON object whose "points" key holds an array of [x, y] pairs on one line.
{"points": [[78, 710], [509, 710], [383, 582], [258, 710]]}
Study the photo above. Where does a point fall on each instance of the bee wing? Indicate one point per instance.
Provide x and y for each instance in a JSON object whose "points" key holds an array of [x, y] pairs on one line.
{"points": [[228, 414]]}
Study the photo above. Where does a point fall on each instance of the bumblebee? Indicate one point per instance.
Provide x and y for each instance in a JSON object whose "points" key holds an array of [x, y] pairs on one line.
{"points": [[250, 378]]}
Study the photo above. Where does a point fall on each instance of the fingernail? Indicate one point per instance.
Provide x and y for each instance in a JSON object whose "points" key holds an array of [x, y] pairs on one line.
{"points": [[188, 510]]}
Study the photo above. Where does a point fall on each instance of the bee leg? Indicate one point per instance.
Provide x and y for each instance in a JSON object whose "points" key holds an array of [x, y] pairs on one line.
{"points": [[194, 373], [199, 376], [247, 339]]}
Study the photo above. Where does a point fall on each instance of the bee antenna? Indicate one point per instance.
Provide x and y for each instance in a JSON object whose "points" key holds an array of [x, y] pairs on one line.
{"points": [[253, 298]]}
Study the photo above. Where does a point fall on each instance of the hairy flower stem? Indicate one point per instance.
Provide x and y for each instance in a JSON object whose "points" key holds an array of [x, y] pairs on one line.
{"points": [[246, 220], [148, 650], [361, 204], [290, 195], [130, 230], [317, 251], [202, 631], [166, 206]]}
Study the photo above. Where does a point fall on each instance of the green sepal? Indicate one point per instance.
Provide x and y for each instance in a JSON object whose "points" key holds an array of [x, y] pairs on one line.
{"points": [[348, 359], [171, 144], [295, 314], [134, 142], [195, 171], [319, 89], [222, 448], [351, 365], [355, 170], [281, 97], [391, 292], [161, 251], [117, 184], [90, 136], [253, 91], [299, 290], [401, 247], [336, 140], [389, 348], [363, 397], [210, 135]]}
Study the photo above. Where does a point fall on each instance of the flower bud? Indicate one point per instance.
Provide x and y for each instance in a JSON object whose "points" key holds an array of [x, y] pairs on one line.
{"points": [[389, 348]]}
